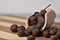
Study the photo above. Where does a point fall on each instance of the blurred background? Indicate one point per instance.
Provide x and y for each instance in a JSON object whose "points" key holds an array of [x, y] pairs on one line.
{"points": [[28, 7]]}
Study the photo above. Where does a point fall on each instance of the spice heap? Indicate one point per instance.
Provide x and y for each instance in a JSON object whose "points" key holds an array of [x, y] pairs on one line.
{"points": [[35, 24]]}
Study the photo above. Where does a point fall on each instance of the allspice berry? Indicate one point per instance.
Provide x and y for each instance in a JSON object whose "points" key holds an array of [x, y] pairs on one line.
{"points": [[20, 33], [30, 28], [14, 27], [26, 32], [35, 32], [31, 37], [21, 30], [46, 34], [53, 31], [56, 36], [53, 37]]}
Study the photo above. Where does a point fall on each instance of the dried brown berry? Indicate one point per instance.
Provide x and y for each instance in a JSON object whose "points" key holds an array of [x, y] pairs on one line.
{"points": [[31, 37], [46, 34], [26, 33], [14, 27], [20, 33], [21, 30], [53, 38], [32, 20], [58, 35], [35, 32], [53, 31], [30, 28]]}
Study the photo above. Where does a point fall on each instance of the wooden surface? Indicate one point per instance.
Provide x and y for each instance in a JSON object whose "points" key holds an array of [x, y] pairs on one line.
{"points": [[6, 34]]}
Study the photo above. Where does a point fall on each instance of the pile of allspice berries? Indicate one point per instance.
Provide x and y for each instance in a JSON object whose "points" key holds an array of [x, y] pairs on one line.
{"points": [[35, 23]]}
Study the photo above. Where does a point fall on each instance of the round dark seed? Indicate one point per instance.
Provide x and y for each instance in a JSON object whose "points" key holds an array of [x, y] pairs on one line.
{"points": [[31, 37], [53, 38], [35, 32], [26, 33], [53, 31], [20, 33], [21, 28], [14, 27], [46, 34], [30, 28]]}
